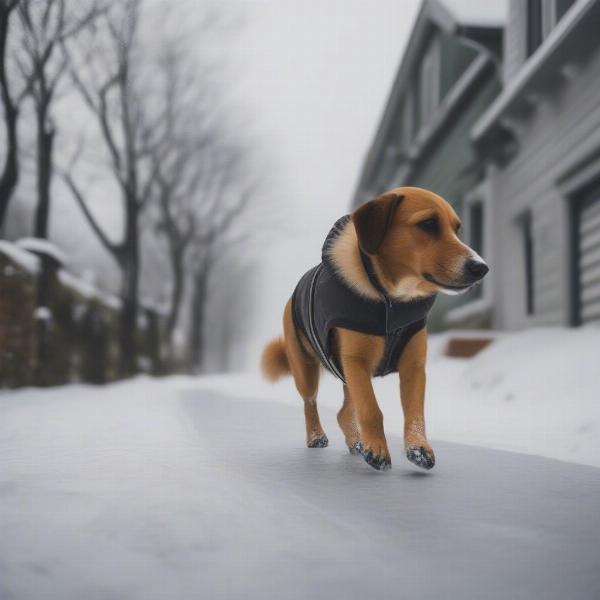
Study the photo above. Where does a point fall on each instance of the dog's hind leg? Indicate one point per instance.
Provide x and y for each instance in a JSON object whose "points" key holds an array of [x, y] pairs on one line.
{"points": [[305, 369], [347, 422]]}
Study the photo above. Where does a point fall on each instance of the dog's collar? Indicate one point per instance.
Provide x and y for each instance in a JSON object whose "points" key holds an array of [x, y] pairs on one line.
{"points": [[372, 275]]}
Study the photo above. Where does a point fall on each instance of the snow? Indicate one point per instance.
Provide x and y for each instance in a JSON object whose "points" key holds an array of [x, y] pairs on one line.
{"points": [[159, 489], [87, 289], [42, 246], [473, 12], [25, 260], [160, 308], [22, 254], [534, 392], [43, 313]]}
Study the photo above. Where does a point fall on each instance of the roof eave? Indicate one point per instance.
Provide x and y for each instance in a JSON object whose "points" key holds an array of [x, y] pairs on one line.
{"points": [[566, 45]]}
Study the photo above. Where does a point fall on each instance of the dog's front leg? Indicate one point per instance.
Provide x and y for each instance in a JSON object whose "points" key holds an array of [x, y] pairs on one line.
{"points": [[412, 392], [372, 444]]}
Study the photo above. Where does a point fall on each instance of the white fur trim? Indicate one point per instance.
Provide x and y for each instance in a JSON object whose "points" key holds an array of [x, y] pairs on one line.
{"points": [[344, 254]]}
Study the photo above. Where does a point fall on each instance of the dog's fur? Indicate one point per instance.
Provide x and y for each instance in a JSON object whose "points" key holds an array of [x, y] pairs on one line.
{"points": [[412, 259]]}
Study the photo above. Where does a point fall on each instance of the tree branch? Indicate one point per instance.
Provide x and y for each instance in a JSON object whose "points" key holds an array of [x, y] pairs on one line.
{"points": [[112, 248]]}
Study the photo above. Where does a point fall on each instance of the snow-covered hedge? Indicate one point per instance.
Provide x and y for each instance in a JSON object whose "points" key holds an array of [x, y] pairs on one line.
{"points": [[73, 335]]}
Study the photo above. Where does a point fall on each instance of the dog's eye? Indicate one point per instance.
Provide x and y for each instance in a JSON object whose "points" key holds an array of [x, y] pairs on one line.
{"points": [[431, 225]]}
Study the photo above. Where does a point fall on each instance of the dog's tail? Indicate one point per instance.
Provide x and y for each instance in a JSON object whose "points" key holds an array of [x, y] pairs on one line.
{"points": [[274, 362]]}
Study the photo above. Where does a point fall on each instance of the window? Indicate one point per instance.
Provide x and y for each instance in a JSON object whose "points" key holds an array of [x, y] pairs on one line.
{"points": [[408, 120], [535, 34], [476, 227], [474, 233], [455, 57], [529, 264], [429, 82], [542, 17], [562, 6], [416, 105]]}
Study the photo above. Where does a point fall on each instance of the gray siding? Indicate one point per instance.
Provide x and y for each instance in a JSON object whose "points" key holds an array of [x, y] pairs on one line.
{"points": [[562, 132], [455, 58]]}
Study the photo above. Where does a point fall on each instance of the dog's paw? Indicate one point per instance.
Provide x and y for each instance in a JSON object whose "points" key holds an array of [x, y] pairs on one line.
{"points": [[319, 441], [380, 461], [421, 456], [354, 449]]}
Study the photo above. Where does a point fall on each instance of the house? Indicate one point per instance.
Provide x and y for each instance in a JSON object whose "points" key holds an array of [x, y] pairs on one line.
{"points": [[540, 141], [450, 74]]}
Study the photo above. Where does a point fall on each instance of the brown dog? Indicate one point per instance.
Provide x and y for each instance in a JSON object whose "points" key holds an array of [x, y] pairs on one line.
{"points": [[392, 256]]}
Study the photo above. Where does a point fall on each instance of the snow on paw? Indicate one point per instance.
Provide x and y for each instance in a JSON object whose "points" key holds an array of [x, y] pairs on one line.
{"points": [[421, 456], [380, 461], [354, 449], [319, 441]]}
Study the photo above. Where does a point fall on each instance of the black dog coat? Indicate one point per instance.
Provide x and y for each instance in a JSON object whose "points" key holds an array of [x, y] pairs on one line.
{"points": [[322, 300]]}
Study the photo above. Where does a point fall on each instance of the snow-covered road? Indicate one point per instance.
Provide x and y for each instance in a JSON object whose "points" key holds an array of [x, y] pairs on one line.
{"points": [[148, 490]]}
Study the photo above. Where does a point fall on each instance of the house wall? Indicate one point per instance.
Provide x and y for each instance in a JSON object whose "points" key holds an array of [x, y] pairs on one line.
{"points": [[405, 125], [452, 170], [561, 133]]}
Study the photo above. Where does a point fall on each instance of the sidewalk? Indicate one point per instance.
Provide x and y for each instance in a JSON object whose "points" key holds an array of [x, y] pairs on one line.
{"points": [[160, 490]]}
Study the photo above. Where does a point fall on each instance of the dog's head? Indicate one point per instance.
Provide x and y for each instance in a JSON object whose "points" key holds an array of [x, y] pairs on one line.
{"points": [[413, 236]]}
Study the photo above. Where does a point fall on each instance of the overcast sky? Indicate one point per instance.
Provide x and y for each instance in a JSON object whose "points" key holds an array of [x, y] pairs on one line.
{"points": [[314, 77]]}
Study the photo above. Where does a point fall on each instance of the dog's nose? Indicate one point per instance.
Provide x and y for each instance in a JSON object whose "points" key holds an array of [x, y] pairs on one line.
{"points": [[476, 269]]}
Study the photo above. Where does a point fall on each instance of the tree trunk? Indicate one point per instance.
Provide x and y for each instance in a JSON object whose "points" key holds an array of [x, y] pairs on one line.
{"points": [[127, 335], [199, 297], [177, 290], [45, 139], [10, 173], [45, 143], [130, 262]]}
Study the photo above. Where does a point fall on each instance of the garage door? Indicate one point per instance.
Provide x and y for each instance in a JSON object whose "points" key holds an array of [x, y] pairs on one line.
{"points": [[588, 260]]}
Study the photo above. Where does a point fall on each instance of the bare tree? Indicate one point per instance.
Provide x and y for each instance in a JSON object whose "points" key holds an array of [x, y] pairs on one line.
{"points": [[108, 87], [198, 162], [10, 172], [46, 26], [178, 225], [178, 162], [204, 182], [200, 194], [224, 199], [169, 150]]}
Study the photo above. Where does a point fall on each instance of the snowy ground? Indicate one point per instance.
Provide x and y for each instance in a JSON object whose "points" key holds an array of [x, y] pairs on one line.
{"points": [[535, 392], [202, 488]]}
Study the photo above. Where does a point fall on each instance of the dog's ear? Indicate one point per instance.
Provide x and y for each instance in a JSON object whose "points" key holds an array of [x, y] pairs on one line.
{"points": [[373, 219]]}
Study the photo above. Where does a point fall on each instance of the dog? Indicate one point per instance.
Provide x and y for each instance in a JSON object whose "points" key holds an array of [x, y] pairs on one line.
{"points": [[362, 313]]}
